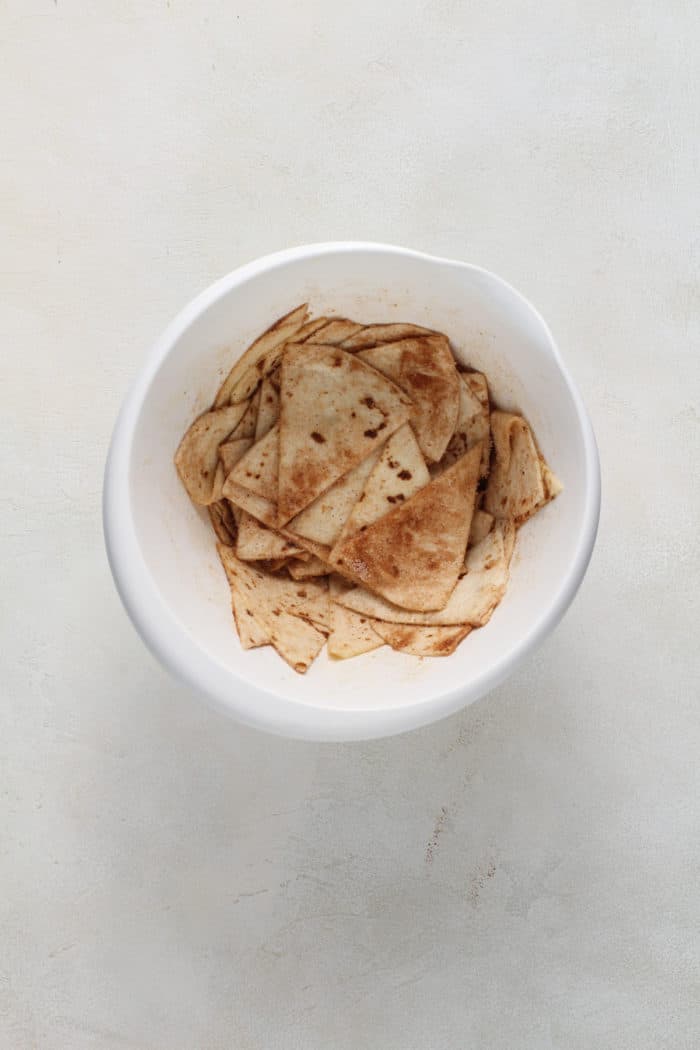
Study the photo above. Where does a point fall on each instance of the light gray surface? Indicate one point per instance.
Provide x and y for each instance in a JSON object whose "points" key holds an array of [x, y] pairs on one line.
{"points": [[524, 875]]}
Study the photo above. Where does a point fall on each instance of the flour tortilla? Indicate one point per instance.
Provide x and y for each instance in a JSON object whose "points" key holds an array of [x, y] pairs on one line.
{"points": [[251, 633], [197, 454], [257, 470], [478, 429], [257, 542], [309, 328], [373, 334], [482, 523], [334, 411], [285, 611], [306, 570], [231, 451], [246, 427], [334, 331], [268, 410], [472, 601], [219, 478], [425, 370], [223, 522], [421, 641], [413, 555], [472, 425], [430, 378], [386, 358], [323, 520], [552, 485], [262, 509], [351, 633], [259, 358], [515, 488], [399, 473]]}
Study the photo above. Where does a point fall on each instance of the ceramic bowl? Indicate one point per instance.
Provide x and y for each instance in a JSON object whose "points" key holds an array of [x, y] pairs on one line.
{"points": [[162, 549]]}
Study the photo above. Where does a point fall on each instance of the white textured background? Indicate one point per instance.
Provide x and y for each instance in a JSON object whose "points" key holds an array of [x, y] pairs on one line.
{"points": [[524, 875]]}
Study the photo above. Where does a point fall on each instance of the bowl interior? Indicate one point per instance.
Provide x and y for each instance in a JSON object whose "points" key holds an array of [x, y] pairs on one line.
{"points": [[492, 329]]}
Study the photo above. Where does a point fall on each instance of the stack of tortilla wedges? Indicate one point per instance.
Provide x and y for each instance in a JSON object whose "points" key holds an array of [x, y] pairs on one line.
{"points": [[362, 490]]}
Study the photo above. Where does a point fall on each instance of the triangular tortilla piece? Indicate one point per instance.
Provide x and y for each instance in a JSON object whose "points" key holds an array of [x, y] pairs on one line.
{"points": [[478, 591], [223, 522], [231, 451], [219, 478], [257, 469], [482, 523], [306, 570], [268, 410], [430, 378], [256, 542], [285, 610], [334, 412], [399, 473], [509, 536], [247, 425], [385, 358], [552, 485], [421, 641], [259, 358], [351, 633], [471, 426], [315, 550], [515, 489], [477, 384], [373, 334], [272, 564], [262, 509], [335, 331], [198, 452], [323, 520], [413, 555], [308, 329], [425, 370], [250, 632]]}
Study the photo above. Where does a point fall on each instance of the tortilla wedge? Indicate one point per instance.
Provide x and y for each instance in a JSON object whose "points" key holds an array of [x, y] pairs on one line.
{"points": [[231, 451], [323, 520], [471, 426], [351, 633], [251, 633], [334, 411], [284, 611], [223, 522], [260, 358], [482, 523], [478, 591], [262, 509], [386, 358], [516, 487], [334, 331], [305, 570], [421, 641], [247, 425], [256, 471], [430, 378], [309, 327], [256, 542], [268, 410], [413, 555], [197, 454], [425, 370], [399, 473], [372, 334]]}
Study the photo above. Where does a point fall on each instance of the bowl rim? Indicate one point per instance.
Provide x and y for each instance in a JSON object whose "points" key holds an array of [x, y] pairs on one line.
{"points": [[251, 704]]}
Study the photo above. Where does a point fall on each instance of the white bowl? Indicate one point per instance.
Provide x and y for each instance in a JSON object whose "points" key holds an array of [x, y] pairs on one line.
{"points": [[162, 550]]}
